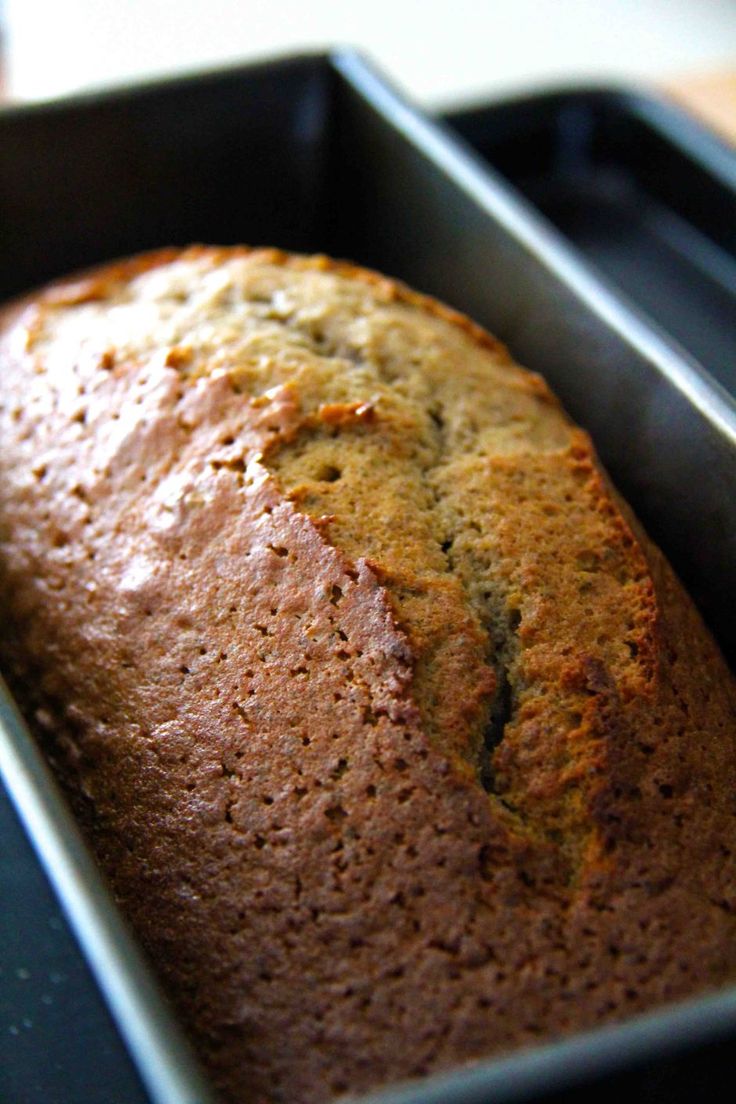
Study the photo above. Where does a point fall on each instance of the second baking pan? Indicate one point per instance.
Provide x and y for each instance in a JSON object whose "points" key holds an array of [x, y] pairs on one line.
{"points": [[645, 193], [320, 154]]}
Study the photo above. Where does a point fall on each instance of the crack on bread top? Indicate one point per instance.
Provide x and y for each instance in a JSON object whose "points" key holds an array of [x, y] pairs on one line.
{"points": [[415, 445]]}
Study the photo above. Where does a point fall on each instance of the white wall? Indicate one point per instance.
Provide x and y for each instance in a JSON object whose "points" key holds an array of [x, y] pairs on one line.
{"points": [[440, 52]]}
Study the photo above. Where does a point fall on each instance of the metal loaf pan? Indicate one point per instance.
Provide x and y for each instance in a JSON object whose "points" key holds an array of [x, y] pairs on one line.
{"points": [[644, 192], [319, 153]]}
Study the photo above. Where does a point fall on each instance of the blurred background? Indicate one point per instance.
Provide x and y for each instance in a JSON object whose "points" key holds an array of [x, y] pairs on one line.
{"points": [[441, 53]]}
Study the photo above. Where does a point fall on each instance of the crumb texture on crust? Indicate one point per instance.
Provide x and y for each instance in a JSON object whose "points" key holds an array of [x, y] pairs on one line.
{"points": [[397, 746]]}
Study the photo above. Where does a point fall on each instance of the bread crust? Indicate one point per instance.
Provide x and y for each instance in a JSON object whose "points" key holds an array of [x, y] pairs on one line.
{"points": [[397, 744]]}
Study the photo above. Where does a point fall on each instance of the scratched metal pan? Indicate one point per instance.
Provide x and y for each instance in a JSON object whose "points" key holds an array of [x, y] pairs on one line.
{"points": [[319, 153]]}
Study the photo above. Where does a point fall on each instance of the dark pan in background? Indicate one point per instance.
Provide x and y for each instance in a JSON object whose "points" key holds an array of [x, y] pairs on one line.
{"points": [[642, 190], [319, 154]]}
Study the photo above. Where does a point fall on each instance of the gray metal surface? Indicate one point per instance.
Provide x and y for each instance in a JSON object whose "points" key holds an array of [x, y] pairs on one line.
{"points": [[644, 194]]}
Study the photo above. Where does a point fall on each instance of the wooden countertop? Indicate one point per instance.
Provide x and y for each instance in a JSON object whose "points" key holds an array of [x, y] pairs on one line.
{"points": [[710, 97]]}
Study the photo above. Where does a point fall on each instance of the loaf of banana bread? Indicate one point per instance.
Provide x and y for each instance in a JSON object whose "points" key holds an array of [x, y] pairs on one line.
{"points": [[399, 743]]}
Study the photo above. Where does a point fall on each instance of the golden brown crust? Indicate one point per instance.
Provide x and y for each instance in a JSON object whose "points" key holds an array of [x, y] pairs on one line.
{"points": [[398, 744]]}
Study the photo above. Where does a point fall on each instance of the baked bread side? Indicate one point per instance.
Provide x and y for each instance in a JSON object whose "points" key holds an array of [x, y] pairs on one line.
{"points": [[398, 746]]}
